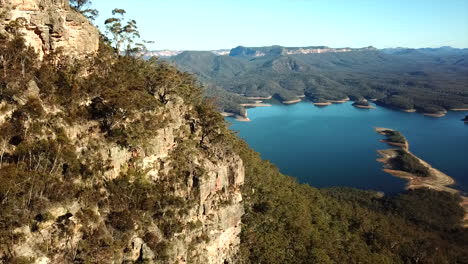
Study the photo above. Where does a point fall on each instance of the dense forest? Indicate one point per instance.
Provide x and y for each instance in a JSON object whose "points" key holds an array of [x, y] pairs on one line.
{"points": [[428, 80], [127, 99]]}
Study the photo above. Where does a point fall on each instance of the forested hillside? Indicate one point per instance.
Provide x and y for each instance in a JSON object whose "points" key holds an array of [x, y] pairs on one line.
{"points": [[428, 80]]}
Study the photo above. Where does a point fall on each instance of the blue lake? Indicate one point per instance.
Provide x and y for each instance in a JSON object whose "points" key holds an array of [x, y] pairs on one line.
{"points": [[336, 145]]}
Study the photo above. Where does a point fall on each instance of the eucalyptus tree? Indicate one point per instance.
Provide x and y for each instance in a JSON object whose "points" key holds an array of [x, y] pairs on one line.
{"points": [[84, 7], [123, 32]]}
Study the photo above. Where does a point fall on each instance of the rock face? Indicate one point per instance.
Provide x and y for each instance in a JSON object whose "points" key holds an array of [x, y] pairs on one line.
{"points": [[201, 219], [213, 206], [50, 25]]}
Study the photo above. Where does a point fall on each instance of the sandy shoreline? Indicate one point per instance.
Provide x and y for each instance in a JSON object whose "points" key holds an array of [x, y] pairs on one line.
{"points": [[435, 114], [322, 104], [340, 101], [237, 117], [256, 105], [364, 106], [242, 118], [292, 101], [458, 109], [435, 180], [226, 114]]}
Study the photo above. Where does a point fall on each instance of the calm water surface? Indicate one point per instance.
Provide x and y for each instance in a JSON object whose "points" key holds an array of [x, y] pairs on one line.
{"points": [[336, 145]]}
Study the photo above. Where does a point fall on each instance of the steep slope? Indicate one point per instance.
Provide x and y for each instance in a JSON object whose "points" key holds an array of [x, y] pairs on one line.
{"points": [[116, 173], [110, 159]]}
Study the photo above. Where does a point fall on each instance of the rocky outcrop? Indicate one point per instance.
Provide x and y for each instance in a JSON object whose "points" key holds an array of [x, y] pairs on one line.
{"points": [[51, 25], [213, 207], [194, 214]]}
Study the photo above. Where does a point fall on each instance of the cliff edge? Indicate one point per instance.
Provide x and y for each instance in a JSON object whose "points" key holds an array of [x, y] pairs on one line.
{"points": [[50, 25], [126, 164]]}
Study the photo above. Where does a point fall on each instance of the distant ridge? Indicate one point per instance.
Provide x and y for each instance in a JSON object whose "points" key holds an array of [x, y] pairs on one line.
{"points": [[170, 53], [430, 80], [242, 51]]}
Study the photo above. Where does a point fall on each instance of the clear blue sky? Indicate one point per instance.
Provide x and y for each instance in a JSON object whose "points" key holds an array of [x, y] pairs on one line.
{"points": [[218, 24]]}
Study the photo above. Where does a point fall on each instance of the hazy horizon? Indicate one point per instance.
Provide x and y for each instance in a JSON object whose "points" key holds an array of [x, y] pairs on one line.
{"points": [[214, 25], [302, 47]]}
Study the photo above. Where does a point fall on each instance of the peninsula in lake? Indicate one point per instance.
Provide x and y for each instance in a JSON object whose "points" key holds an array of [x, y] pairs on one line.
{"points": [[400, 162]]}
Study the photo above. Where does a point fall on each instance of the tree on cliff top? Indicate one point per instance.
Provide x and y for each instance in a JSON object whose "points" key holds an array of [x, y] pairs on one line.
{"points": [[122, 34], [84, 7]]}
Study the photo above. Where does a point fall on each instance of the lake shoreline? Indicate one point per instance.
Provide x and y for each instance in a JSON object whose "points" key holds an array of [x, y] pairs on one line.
{"points": [[292, 101], [441, 114], [236, 116], [435, 180], [322, 104], [364, 106], [259, 103]]}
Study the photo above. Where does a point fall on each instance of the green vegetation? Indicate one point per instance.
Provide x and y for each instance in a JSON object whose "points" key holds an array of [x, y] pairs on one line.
{"points": [[395, 136], [407, 162], [40, 167], [83, 6], [404, 160], [398, 101], [429, 209], [429, 82]]}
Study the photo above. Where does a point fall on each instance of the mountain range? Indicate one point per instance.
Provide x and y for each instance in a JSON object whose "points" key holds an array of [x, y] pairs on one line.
{"points": [[429, 80]]}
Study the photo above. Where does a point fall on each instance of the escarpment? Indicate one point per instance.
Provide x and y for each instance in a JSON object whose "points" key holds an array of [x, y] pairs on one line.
{"points": [[164, 199], [85, 185], [125, 164], [50, 25]]}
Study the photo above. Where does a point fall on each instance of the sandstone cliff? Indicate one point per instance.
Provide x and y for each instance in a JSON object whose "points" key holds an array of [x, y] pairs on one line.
{"points": [[50, 25], [203, 226], [89, 174]]}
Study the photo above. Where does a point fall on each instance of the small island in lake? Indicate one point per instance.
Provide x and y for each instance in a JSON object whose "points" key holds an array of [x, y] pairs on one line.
{"points": [[465, 119], [363, 103], [400, 162]]}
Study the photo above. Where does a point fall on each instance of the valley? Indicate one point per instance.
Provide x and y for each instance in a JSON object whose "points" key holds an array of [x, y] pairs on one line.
{"points": [[430, 81]]}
